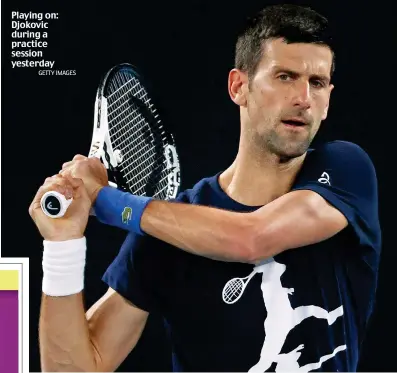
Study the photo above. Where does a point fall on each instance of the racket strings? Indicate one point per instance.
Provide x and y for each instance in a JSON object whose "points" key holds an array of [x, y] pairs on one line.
{"points": [[120, 111], [116, 87], [141, 143], [131, 131], [138, 145]]}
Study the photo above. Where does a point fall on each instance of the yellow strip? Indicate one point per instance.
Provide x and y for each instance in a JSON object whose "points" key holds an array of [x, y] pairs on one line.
{"points": [[9, 280]]}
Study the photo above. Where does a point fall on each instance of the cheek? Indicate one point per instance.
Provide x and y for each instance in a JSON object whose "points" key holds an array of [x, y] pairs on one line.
{"points": [[268, 99], [272, 95], [321, 104]]}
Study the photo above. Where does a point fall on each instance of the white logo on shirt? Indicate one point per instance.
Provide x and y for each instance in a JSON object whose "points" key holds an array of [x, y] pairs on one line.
{"points": [[282, 318], [324, 179]]}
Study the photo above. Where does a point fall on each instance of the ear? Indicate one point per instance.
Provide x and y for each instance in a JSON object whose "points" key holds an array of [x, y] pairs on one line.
{"points": [[237, 86], [325, 113]]}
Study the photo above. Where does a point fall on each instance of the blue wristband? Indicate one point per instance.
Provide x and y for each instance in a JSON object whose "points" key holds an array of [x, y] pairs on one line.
{"points": [[120, 209]]}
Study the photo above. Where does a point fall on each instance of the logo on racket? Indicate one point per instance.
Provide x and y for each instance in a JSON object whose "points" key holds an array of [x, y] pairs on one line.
{"points": [[95, 148], [49, 206], [126, 215], [171, 157]]}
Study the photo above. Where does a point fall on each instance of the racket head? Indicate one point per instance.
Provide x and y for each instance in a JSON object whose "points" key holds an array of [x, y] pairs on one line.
{"points": [[233, 290], [139, 151]]}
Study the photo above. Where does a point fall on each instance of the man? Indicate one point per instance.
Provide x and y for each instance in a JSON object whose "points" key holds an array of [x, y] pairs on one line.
{"points": [[298, 225]]}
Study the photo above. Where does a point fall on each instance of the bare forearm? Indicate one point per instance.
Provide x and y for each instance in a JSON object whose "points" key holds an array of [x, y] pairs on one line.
{"points": [[209, 232], [293, 220], [64, 337]]}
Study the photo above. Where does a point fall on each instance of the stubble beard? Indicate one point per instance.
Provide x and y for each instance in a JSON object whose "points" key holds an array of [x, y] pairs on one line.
{"points": [[282, 145]]}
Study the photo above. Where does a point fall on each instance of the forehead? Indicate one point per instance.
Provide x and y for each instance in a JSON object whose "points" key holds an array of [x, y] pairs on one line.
{"points": [[300, 57]]}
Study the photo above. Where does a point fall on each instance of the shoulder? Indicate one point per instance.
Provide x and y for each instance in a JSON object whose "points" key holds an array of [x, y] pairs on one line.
{"points": [[343, 168], [344, 156], [342, 150]]}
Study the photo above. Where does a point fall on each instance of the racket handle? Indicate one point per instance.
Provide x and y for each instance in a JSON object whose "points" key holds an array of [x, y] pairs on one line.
{"points": [[55, 204]]}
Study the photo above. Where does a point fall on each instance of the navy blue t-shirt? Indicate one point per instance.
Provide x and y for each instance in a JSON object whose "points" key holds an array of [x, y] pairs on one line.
{"points": [[305, 309]]}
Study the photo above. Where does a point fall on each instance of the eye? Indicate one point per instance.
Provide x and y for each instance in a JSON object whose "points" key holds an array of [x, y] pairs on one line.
{"points": [[317, 83], [284, 77]]}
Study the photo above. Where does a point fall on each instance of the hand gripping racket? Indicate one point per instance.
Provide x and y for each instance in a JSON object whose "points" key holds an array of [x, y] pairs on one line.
{"points": [[137, 150]]}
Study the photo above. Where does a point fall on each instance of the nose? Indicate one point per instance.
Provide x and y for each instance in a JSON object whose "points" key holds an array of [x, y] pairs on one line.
{"points": [[302, 97]]}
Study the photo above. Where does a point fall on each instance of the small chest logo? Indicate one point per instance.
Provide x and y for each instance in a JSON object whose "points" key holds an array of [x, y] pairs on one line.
{"points": [[324, 179]]}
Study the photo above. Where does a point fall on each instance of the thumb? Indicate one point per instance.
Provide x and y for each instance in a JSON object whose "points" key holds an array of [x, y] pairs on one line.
{"points": [[75, 182], [77, 185]]}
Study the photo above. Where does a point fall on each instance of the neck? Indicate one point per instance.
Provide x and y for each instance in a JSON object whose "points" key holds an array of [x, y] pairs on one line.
{"points": [[257, 178]]}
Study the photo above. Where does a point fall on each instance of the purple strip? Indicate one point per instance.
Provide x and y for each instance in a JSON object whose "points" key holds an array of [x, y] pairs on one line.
{"points": [[9, 331]]}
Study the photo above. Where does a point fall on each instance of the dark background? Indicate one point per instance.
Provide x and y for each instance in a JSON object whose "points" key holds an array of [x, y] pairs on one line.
{"points": [[185, 49]]}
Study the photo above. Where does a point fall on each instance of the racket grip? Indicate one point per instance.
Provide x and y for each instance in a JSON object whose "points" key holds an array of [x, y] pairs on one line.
{"points": [[54, 204]]}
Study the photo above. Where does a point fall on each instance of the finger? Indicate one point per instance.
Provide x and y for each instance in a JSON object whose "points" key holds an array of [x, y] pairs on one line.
{"points": [[61, 183], [55, 183], [74, 181], [67, 164], [79, 187], [95, 160], [69, 167], [79, 157], [66, 171]]}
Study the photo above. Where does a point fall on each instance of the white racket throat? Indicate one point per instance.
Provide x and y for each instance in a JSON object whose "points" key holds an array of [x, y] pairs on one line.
{"points": [[100, 137], [55, 204]]}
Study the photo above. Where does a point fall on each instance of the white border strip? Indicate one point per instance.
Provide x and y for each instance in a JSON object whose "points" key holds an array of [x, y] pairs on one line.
{"points": [[22, 265]]}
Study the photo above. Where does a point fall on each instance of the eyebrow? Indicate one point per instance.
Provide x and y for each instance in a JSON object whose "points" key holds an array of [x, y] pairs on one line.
{"points": [[278, 69]]}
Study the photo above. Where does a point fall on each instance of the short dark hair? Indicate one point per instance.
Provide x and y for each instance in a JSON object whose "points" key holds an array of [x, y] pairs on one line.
{"points": [[293, 23]]}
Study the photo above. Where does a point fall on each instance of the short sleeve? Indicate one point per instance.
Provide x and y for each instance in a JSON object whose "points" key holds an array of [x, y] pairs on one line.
{"points": [[344, 175], [137, 273], [126, 274]]}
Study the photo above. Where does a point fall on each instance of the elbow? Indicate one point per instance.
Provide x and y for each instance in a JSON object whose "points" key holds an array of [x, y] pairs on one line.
{"points": [[255, 250], [97, 359], [244, 241], [257, 240]]}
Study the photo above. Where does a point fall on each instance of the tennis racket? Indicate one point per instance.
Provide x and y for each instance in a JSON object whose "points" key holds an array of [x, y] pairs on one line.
{"points": [[234, 288], [137, 150]]}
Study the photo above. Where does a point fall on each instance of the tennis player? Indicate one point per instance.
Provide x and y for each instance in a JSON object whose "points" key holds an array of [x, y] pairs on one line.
{"points": [[298, 226]]}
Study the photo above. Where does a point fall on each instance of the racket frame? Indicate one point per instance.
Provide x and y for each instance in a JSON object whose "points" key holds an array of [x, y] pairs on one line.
{"points": [[101, 134], [100, 137]]}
